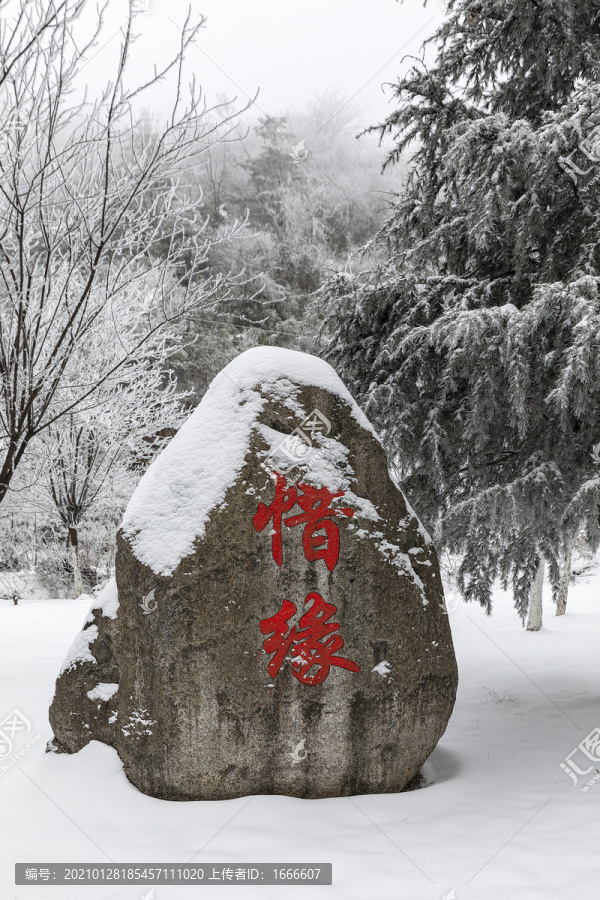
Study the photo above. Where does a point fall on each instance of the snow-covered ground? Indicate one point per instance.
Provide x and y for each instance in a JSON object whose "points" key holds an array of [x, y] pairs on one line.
{"points": [[499, 818]]}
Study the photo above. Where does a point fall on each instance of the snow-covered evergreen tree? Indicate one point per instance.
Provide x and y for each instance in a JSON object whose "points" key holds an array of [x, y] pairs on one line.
{"points": [[475, 346]]}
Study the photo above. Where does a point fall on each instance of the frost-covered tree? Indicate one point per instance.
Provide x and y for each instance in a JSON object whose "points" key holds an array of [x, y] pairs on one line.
{"points": [[85, 193], [92, 458], [475, 345]]}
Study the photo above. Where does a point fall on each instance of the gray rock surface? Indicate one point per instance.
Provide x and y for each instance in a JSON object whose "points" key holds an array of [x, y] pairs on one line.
{"points": [[299, 648]]}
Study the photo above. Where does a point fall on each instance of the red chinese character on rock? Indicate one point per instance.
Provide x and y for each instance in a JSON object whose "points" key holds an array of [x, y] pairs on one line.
{"points": [[316, 517], [311, 645], [283, 501], [280, 641]]}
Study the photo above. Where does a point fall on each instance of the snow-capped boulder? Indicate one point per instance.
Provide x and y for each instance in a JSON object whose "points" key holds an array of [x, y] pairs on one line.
{"points": [[280, 625], [85, 703]]}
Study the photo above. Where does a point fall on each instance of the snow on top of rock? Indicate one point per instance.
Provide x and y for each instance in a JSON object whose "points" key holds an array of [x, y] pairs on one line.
{"points": [[103, 691], [326, 466], [107, 602], [79, 651], [393, 554], [383, 668], [171, 505]]}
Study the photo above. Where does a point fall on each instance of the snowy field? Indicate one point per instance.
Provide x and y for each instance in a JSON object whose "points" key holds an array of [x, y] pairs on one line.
{"points": [[498, 818]]}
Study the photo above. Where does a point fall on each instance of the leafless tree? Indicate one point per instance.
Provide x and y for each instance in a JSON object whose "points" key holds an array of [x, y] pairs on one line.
{"points": [[93, 456], [86, 199]]}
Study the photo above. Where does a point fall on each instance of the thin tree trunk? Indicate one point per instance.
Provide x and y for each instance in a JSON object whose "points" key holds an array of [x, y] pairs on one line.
{"points": [[534, 619], [77, 582], [565, 577]]}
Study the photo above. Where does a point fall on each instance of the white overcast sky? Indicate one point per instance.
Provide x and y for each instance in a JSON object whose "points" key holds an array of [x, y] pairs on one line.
{"points": [[290, 51]]}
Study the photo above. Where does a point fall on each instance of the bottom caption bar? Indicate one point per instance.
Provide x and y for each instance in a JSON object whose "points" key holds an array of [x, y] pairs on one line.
{"points": [[138, 873]]}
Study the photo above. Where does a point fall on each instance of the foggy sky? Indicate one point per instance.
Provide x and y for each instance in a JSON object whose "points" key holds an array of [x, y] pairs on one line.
{"points": [[289, 51]]}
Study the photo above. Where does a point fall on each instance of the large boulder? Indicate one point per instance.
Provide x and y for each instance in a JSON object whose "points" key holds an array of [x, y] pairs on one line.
{"points": [[280, 625]]}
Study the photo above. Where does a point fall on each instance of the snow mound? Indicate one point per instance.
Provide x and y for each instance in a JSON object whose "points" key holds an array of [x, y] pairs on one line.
{"points": [[103, 691], [171, 505]]}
